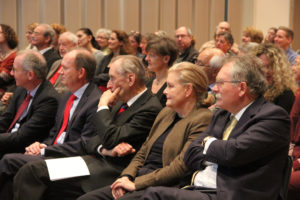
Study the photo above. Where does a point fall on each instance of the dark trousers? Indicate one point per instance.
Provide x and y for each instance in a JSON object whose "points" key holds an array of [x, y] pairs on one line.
{"points": [[169, 193], [33, 182], [9, 166], [105, 194]]}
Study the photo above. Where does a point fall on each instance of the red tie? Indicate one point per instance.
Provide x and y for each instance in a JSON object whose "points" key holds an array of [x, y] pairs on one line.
{"points": [[55, 76], [20, 111], [66, 116]]}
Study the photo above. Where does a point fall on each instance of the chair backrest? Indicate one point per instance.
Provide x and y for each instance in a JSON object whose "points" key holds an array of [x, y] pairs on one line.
{"points": [[286, 178]]}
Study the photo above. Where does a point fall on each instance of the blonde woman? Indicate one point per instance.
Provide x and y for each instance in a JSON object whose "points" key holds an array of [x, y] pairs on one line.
{"points": [[282, 85]]}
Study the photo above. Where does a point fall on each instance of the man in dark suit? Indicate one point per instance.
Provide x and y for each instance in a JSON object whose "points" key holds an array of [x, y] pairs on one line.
{"points": [[73, 126], [20, 127], [128, 121], [243, 153], [42, 38], [186, 43]]}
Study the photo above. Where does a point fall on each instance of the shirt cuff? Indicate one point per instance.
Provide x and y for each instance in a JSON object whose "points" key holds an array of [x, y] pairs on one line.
{"points": [[102, 108], [99, 149], [207, 144], [42, 151]]}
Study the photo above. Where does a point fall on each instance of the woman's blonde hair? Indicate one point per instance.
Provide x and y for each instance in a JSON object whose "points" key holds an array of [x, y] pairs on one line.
{"points": [[282, 75], [193, 74]]}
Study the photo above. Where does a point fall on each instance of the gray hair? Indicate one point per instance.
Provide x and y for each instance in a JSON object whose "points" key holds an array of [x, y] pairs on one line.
{"points": [[216, 62], [131, 64], [248, 68], [49, 32], [33, 60], [104, 30], [70, 36]]}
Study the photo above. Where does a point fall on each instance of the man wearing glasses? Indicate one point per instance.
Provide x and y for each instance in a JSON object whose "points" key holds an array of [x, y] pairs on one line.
{"points": [[185, 43]]}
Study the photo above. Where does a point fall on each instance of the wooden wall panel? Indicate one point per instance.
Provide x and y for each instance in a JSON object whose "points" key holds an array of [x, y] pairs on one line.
{"points": [[296, 25], [235, 17], [113, 14], [216, 14], [185, 13], [132, 15], [73, 14], [27, 5], [94, 15], [149, 16], [51, 11], [168, 16], [8, 13], [202, 22]]}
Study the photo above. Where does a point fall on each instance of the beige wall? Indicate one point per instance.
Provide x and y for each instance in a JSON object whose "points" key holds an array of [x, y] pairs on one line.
{"points": [[150, 15]]}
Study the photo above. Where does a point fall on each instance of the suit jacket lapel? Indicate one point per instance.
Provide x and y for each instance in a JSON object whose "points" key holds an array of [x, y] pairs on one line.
{"points": [[247, 115], [39, 90], [82, 101]]}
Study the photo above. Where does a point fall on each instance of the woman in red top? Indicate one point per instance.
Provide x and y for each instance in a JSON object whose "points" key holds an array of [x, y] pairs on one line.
{"points": [[8, 44]]}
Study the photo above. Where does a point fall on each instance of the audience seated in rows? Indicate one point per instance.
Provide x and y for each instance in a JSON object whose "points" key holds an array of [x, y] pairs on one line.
{"points": [[73, 125], [120, 132]]}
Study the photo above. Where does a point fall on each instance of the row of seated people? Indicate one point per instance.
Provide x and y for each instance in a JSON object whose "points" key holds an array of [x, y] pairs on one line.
{"points": [[245, 141], [108, 44], [162, 53]]}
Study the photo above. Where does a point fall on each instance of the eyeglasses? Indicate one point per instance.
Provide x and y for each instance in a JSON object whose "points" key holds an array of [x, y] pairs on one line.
{"points": [[220, 83]]}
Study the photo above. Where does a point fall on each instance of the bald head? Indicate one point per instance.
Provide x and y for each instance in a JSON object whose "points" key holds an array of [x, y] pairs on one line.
{"points": [[223, 27], [211, 60], [205, 56]]}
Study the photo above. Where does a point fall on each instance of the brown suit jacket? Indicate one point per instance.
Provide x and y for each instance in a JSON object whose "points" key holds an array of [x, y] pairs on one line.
{"points": [[175, 145]]}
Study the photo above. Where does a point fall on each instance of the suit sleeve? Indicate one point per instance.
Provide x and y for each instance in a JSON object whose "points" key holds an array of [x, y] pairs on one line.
{"points": [[262, 136], [136, 128], [269, 134], [36, 127]]}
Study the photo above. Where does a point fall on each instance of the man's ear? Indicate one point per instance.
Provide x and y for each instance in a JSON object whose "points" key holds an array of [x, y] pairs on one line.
{"points": [[82, 73], [131, 79], [243, 88], [30, 75], [47, 39]]}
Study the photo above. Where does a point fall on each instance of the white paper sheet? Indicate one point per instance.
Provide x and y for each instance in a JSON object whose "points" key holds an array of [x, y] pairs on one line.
{"points": [[63, 168]]}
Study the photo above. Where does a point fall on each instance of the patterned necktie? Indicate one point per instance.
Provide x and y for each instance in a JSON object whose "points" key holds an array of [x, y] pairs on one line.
{"points": [[123, 108], [20, 111], [66, 117], [228, 130]]}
